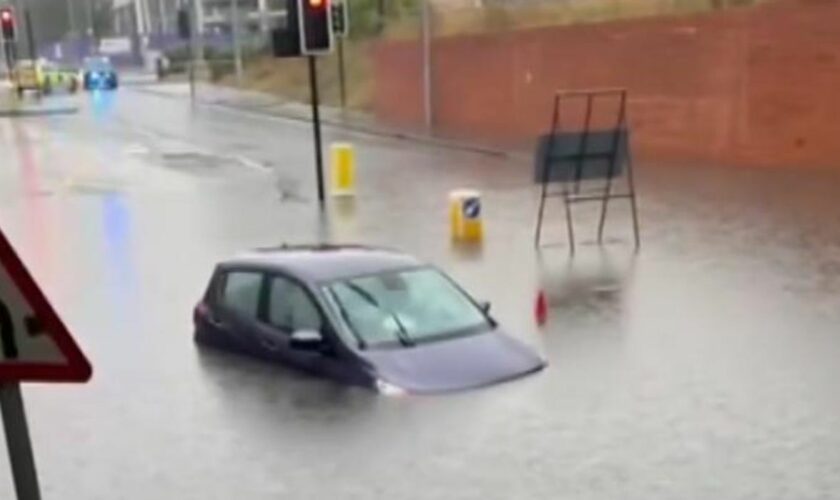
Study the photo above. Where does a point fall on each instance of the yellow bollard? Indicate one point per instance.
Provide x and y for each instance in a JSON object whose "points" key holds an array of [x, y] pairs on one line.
{"points": [[465, 216], [343, 169], [455, 219]]}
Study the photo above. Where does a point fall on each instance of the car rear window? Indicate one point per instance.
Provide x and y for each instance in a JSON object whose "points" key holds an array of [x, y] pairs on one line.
{"points": [[241, 292]]}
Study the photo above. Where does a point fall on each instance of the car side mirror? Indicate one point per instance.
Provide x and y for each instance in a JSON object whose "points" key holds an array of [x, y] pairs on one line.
{"points": [[306, 340]]}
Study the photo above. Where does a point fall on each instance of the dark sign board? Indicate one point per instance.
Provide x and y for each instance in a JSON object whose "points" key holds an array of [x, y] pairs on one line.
{"points": [[570, 154]]}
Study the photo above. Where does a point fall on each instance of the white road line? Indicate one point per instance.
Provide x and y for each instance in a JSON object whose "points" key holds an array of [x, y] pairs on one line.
{"points": [[250, 163]]}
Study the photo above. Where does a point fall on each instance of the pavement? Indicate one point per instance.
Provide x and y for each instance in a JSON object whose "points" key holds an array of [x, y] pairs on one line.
{"points": [[12, 106], [260, 103], [702, 367]]}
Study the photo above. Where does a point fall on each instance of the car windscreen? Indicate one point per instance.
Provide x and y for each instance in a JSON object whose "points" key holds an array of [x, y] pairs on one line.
{"points": [[404, 307]]}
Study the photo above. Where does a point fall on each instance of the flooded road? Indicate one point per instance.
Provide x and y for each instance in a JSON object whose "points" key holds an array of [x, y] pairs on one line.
{"points": [[703, 367]]}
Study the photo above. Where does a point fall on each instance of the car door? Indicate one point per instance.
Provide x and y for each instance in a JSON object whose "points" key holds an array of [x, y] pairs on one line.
{"points": [[238, 304], [288, 308]]}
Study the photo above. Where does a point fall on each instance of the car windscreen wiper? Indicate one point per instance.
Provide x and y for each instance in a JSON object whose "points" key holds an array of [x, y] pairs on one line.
{"points": [[346, 317], [402, 333]]}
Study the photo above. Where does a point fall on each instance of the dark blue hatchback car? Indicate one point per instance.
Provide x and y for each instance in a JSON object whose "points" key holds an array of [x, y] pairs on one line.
{"points": [[359, 315]]}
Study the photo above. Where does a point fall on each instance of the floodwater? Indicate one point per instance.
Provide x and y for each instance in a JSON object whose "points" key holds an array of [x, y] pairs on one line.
{"points": [[704, 366]]}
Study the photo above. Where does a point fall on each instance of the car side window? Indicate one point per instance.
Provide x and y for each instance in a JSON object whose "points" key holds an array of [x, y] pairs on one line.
{"points": [[241, 292], [290, 308]]}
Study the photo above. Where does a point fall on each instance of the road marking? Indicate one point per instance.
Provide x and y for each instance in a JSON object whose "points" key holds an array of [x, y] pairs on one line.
{"points": [[191, 147], [137, 150], [253, 164]]}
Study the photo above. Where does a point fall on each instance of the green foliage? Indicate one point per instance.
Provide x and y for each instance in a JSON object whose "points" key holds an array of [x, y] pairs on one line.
{"points": [[368, 18]]}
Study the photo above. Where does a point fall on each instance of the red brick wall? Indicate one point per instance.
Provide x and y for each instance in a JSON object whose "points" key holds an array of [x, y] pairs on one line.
{"points": [[750, 86], [399, 89]]}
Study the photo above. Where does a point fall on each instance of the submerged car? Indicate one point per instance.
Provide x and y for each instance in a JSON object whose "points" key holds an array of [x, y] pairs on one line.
{"points": [[99, 73], [362, 316]]}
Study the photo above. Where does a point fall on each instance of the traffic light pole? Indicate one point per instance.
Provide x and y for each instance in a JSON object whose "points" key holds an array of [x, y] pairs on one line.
{"points": [[30, 35], [9, 54], [316, 126], [237, 43], [342, 81]]}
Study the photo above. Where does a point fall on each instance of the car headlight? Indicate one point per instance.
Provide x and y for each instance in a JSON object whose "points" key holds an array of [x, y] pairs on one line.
{"points": [[389, 389]]}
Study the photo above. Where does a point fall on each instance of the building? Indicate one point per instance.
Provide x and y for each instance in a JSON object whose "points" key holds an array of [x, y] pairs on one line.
{"points": [[213, 16], [256, 16]]}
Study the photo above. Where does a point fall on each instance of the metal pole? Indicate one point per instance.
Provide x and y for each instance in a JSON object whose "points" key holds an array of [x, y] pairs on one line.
{"points": [[380, 10], [555, 117], [18, 442], [147, 17], [161, 17], [616, 144], [91, 23], [30, 35], [427, 63], [316, 126], [7, 57], [193, 47], [237, 44], [342, 81], [71, 18], [262, 10]]}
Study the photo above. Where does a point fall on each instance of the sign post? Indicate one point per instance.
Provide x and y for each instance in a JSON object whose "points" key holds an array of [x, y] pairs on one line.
{"points": [[34, 346], [18, 443]]}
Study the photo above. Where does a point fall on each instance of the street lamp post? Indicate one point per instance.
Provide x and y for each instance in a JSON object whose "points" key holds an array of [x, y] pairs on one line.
{"points": [[237, 43], [427, 63]]}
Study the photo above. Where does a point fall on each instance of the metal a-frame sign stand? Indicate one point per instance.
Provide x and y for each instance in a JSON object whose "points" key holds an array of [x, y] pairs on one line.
{"points": [[569, 157]]}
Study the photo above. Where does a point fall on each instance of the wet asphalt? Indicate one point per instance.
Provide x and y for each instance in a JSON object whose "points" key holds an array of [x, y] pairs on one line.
{"points": [[705, 366]]}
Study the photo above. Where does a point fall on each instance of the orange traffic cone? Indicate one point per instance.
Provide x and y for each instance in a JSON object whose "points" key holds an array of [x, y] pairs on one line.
{"points": [[541, 309]]}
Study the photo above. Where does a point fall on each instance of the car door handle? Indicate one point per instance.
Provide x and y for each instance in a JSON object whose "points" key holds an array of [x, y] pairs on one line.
{"points": [[269, 344]]}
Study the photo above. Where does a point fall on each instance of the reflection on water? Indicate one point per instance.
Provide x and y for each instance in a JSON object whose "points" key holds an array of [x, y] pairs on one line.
{"points": [[342, 220], [39, 217], [117, 251], [103, 104], [597, 279]]}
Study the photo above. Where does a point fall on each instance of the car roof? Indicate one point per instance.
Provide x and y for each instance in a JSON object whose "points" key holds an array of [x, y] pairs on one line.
{"points": [[97, 60], [322, 263]]}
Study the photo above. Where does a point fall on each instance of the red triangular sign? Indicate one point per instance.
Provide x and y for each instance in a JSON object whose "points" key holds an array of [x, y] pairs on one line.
{"points": [[34, 343]]}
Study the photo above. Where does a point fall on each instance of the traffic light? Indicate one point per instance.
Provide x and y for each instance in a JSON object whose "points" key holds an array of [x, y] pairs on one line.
{"points": [[340, 18], [184, 28], [7, 23], [315, 21]]}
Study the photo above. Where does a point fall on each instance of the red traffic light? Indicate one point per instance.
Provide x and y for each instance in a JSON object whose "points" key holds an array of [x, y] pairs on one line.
{"points": [[316, 3], [7, 24]]}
